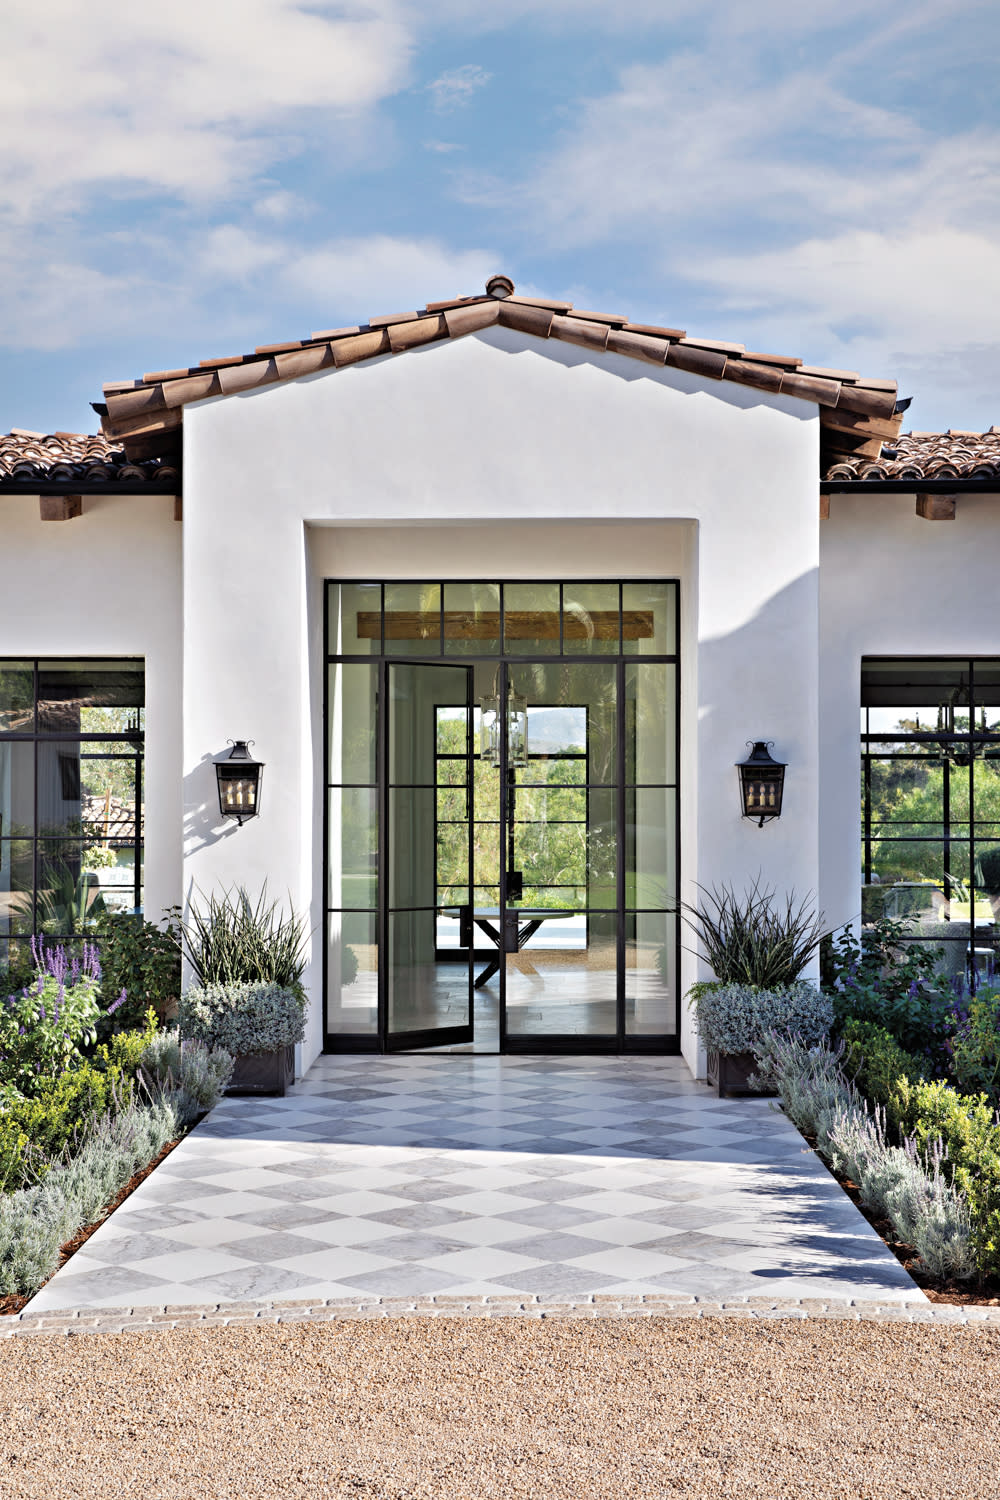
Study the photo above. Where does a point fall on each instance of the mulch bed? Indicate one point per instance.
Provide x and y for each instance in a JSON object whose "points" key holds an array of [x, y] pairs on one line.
{"points": [[15, 1301]]}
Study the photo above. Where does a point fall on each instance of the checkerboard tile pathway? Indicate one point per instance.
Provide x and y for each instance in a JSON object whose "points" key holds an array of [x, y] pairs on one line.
{"points": [[471, 1176]]}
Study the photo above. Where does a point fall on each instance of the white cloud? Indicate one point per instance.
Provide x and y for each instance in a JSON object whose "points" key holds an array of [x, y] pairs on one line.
{"points": [[456, 87], [442, 148], [186, 99], [230, 284]]}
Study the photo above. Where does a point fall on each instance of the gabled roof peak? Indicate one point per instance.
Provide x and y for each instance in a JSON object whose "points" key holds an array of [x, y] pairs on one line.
{"points": [[856, 414]]}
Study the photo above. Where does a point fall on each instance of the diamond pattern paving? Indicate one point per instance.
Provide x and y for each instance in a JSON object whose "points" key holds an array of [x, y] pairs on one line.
{"points": [[474, 1175]]}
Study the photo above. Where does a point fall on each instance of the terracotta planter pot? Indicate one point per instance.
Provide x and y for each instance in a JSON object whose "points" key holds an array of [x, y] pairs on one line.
{"points": [[263, 1073], [729, 1072]]}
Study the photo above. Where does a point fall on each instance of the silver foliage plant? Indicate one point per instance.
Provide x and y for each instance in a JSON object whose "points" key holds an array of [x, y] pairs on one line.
{"points": [[36, 1222], [243, 1018], [738, 1017], [181, 1080], [197, 1073], [906, 1185]]}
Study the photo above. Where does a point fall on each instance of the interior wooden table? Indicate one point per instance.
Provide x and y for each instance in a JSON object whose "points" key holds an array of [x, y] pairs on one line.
{"points": [[519, 926]]}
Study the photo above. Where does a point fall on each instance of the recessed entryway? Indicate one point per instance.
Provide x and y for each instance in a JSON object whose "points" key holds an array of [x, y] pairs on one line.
{"points": [[502, 815]]}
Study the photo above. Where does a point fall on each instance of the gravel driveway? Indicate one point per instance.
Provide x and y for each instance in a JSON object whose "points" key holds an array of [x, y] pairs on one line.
{"points": [[402, 1409]]}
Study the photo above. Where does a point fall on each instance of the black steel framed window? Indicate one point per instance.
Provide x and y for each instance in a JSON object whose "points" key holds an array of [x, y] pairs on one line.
{"points": [[72, 735], [632, 627], [930, 761]]}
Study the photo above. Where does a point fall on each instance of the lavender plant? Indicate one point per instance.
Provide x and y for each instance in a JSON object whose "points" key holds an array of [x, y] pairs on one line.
{"points": [[47, 1026]]}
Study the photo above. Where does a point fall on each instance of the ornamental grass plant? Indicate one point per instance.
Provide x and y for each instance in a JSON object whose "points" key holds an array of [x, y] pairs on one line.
{"points": [[237, 939], [753, 938]]}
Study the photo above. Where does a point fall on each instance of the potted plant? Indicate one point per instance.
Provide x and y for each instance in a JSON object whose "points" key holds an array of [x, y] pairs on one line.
{"points": [[247, 957], [757, 948], [257, 1021]]}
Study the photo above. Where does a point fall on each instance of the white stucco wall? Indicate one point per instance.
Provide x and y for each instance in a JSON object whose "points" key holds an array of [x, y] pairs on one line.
{"points": [[891, 584], [109, 584], [498, 427]]}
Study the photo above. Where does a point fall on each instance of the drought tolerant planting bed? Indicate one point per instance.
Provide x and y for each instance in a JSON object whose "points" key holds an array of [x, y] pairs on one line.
{"points": [[891, 1071], [93, 1090]]}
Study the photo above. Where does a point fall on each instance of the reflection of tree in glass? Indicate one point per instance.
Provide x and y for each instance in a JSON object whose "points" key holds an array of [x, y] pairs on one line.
{"points": [[908, 802]]}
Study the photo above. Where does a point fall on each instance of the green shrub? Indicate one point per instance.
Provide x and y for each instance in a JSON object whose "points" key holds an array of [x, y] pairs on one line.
{"points": [[141, 961], [35, 1131], [969, 1131], [975, 1046], [241, 941], [876, 1062], [243, 1018], [885, 980]]}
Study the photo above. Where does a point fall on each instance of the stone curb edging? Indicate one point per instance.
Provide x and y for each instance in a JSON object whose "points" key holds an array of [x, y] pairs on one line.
{"points": [[60, 1323]]}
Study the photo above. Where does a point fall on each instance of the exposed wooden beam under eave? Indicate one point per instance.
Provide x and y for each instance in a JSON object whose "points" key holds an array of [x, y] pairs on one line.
{"points": [[60, 507], [936, 507]]}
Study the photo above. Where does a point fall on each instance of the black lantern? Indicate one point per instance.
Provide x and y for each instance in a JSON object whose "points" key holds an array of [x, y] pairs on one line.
{"points": [[239, 782], [762, 781]]}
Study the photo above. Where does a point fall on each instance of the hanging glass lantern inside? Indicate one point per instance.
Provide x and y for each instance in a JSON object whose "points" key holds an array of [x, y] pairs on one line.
{"points": [[490, 719], [517, 727], [762, 781], [489, 726]]}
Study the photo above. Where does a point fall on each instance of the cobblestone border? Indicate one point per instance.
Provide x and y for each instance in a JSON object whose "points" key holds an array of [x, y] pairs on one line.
{"points": [[333, 1310]]}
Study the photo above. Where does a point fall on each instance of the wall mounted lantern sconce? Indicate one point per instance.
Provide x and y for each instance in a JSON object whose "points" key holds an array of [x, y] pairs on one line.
{"points": [[762, 781], [239, 777]]}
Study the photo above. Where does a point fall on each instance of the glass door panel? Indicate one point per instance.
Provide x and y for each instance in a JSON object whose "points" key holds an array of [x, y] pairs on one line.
{"points": [[560, 846], [428, 759]]}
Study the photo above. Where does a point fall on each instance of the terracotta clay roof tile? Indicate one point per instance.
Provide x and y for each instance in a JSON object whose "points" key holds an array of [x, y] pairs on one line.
{"points": [[856, 415], [927, 455], [73, 458]]}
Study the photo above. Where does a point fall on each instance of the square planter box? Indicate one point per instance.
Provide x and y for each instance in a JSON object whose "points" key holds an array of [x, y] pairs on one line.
{"points": [[728, 1073], [263, 1073]]}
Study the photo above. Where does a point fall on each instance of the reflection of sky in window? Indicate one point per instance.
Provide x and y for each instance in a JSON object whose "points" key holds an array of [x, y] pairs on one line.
{"points": [[557, 731]]}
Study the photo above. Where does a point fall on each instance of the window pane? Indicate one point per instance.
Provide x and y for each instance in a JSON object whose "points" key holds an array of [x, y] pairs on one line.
{"points": [[650, 847], [650, 973], [16, 886], [17, 788], [353, 848], [564, 981], [590, 619], [650, 724], [90, 697], [354, 619], [352, 973], [351, 719], [17, 697], [412, 621], [531, 619], [571, 713], [412, 849], [649, 619], [471, 619]]}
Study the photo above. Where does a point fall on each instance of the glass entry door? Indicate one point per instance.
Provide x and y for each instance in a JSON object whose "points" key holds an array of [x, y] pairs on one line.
{"points": [[428, 999]]}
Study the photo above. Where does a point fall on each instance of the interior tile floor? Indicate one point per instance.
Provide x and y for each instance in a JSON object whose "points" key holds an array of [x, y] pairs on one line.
{"points": [[482, 1175]]}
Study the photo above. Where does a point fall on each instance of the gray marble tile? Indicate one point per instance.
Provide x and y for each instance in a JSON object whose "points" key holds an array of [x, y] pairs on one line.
{"points": [[281, 1244]]}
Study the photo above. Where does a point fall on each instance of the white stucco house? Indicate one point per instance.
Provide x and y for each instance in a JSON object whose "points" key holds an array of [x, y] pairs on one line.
{"points": [[500, 591]]}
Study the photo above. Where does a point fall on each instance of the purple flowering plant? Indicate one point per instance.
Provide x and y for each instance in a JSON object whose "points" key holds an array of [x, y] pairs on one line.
{"points": [[54, 1018]]}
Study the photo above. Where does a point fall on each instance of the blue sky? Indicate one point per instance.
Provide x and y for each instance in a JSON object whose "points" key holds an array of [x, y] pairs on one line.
{"points": [[186, 180]]}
